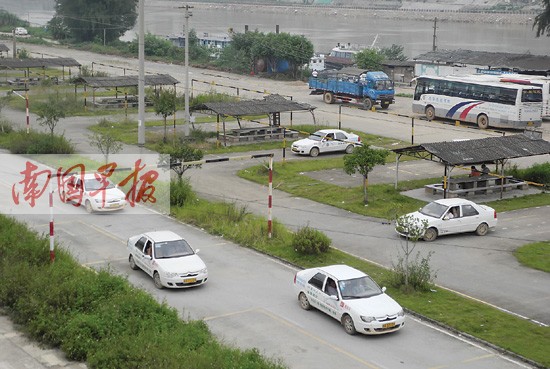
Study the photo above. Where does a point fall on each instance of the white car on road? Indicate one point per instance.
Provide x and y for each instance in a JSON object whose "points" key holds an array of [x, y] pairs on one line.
{"points": [[326, 140], [168, 259], [93, 190], [449, 216], [351, 297], [20, 31]]}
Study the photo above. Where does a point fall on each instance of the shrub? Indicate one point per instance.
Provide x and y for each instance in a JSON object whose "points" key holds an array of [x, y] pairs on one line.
{"points": [[5, 127], [539, 173], [38, 143], [421, 275], [181, 192], [310, 241]]}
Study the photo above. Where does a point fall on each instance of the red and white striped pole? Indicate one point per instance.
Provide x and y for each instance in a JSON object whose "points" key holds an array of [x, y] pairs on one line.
{"points": [[270, 197], [52, 253]]}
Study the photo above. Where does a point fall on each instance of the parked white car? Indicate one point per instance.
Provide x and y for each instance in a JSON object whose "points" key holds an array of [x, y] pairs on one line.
{"points": [[94, 191], [20, 31], [449, 216], [351, 297], [326, 140], [168, 259]]}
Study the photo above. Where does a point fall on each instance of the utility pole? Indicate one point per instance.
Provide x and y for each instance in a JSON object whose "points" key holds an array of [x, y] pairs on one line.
{"points": [[141, 76], [14, 44], [186, 31], [434, 47]]}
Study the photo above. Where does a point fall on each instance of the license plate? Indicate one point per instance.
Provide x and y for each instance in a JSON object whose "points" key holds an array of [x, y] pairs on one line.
{"points": [[388, 325], [114, 205], [190, 280]]}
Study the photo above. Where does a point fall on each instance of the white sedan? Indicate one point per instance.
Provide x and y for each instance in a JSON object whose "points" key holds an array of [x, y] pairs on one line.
{"points": [[94, 191], [326, 140], [351, 297], [168, 259], [448, 216]]}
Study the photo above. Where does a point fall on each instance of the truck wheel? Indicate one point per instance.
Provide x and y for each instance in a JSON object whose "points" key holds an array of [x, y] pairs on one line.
{"points": [[367, 103], [328, 98], [384, 104]]}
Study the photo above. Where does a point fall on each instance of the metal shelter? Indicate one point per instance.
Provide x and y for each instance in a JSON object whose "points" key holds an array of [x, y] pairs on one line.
{"points": [[124, 81], [43, 63], [271, 105], [491, 150]]}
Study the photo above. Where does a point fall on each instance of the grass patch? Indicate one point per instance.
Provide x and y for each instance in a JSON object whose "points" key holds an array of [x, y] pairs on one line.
{"points": [[100, 318], [535, 255]]}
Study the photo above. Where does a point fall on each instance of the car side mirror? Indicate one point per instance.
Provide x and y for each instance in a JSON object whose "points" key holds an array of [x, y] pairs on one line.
{"points": [[197, 251], [333, 297], [383, 289], [148, 257]]}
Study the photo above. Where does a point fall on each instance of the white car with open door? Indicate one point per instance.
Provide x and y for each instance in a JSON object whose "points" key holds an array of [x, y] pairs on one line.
{"points": [[450, 216], [351, 297], [168, 259], [326, 140]]}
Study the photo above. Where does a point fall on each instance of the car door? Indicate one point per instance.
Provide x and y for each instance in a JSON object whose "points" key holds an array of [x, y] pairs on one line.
{"points": [[471, 218], [328, 143], [314, 289], [331, 298], [452, 223], [341, 141], [147, 257], [137, 251]]}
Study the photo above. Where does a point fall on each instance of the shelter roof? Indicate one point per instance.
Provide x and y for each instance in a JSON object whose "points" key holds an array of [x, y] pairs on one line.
{"points": [[38, 63], [3, 48], [483, 150], [127, 81], [270, 104], [486, 58]]}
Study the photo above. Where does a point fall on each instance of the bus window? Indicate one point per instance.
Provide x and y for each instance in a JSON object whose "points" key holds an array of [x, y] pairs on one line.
{"points": [[531, 95]]}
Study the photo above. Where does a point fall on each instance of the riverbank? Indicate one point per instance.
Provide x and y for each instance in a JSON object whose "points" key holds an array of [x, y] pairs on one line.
{"points": [[422, 12]]}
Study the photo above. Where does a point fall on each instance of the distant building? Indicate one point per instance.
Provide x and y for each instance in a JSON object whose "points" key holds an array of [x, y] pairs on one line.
{"points": [[213, 41], [399, 71], [447, 62]]}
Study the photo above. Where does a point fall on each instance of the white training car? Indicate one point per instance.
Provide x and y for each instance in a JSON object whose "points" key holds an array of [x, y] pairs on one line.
{"points": [[326, 140], [94, 191], [20, 31], [449, 216], [168, 258], [351, 297]]}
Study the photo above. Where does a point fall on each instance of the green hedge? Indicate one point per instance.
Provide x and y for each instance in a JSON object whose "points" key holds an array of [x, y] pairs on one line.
{"points": [[101, 318]]}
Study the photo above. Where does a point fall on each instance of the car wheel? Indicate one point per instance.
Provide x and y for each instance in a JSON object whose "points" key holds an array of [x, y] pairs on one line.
{"points": [[349, 149], [349, 327], [156, 280], [314, 152], [304, 302], [384, 104], [482, 229], [132, 262], [430, 235], [88, 206]]}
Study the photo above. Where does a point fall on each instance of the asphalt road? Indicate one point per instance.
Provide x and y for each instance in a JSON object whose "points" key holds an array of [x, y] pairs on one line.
{"points": [[526, 291]]}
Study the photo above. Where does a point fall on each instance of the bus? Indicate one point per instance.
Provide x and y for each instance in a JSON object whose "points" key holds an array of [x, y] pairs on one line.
{"points": [[475, 100], [525, 79]]}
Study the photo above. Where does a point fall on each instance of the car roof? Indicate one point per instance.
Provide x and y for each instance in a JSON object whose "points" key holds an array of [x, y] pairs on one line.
{"points": [[162, 236], [453, 201], [332, 131], [342, 272]]}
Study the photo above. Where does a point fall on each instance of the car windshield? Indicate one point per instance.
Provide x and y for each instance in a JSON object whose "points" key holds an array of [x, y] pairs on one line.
{"points": [[434, 209], [172, 249], [317, 136], [94, 184], [359, 288]]}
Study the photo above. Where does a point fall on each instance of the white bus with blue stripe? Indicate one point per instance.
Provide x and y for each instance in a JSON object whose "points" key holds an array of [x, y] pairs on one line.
{"points": [[485, 103]]}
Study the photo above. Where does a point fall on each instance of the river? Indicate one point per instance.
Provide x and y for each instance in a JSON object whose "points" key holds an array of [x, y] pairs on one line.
{"points": [[326, 28]]}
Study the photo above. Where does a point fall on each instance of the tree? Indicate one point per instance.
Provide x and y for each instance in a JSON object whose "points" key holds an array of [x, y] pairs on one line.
{"points": [[50, 112], [394, 52], [106, 144], [413, 228], [174, 155], [164, 104], [369, 59], [88, 20], [363, 160], [542, 21]]}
